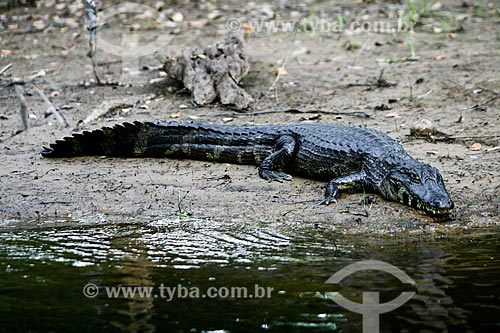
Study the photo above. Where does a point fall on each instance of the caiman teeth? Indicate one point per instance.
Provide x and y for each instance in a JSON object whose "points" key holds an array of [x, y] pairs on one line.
{"points": [[440, 211]]}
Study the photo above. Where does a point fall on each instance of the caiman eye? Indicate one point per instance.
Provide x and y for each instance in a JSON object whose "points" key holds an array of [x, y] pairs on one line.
{"points": [[439, 178], [414, 176]]}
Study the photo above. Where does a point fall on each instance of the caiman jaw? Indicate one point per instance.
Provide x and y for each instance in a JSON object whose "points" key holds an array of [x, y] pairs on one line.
{"points": [[420, 187], [436, 207]]}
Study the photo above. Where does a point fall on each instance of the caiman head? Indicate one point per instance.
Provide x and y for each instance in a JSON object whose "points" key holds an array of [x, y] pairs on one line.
{"points": [[418, 185]]}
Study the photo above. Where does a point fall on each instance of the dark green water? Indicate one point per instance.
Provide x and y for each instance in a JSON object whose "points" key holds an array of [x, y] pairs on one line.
{"points": [[44, 268]]}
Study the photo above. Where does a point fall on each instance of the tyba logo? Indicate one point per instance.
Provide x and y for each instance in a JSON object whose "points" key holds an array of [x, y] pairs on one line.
{"points": [[371, 308]]}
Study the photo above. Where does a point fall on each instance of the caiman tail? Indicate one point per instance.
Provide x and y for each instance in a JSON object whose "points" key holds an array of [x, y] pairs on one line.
{"points": [[229, 144]]}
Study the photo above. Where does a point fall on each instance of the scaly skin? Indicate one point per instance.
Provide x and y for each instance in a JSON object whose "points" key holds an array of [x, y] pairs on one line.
{"points": [[346, 156]]}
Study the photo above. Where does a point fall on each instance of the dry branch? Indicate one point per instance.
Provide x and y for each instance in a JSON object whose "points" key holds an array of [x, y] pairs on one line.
{"points": [[23, 108], [51, 109], [296, 111], [91, 24], [5, 69]]}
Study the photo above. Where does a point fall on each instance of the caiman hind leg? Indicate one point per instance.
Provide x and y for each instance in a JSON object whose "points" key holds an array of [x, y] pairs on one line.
{"points": [[283, 152], [353, 180]]}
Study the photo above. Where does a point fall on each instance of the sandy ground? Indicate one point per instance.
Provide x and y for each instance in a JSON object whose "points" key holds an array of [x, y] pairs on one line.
{"points": [[453, 72]]}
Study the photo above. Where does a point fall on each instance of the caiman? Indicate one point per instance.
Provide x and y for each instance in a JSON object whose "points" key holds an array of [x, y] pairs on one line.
{"points": [[345, 155]]}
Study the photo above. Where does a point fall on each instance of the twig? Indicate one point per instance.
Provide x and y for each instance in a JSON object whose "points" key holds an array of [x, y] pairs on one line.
{"points": [[364, 214], [281, 70], [50, 107], [411, 88], [427, 93], [296, 111], [91, 24], [481, 107], [180, 200], [380, 82], [33, 125], [5, 69], [473, 137], [278, 75], [20, 32], [23, 108]]}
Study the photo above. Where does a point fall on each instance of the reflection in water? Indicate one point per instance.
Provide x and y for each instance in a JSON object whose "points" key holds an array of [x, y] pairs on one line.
{"points": [[137, 310], [457, 277], [433, 308]]}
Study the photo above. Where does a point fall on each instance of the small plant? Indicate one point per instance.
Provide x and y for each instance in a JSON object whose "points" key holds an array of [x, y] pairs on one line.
{"points": [[367, 203], [313, 9], [352, 45], [181, 209], [341, 21], [411, 89], [425, 6], [413, 54], [412, 11], [480, 7]]}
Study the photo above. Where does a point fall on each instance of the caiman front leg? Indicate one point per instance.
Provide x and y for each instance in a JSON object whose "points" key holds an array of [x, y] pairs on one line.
{"points": [[357, 179], [283, 151]]}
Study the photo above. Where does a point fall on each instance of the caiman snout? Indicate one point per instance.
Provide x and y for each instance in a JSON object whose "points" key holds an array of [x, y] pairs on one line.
{"points": [[443, 203]]}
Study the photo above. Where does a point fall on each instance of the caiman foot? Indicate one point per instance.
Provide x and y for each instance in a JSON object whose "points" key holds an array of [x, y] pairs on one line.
{"points": [[328, 200], [331, 193], [285, 146], [277, 176]]}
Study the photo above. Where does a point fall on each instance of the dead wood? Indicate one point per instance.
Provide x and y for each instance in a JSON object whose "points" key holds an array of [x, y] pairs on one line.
{"points": [[211, 74]]}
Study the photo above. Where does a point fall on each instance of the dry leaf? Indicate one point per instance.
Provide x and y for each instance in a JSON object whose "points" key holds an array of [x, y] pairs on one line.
{"points": [[135, 27], [6, 53], [442, 57], [40, 73], [248, 27], [437, 6], [281, 71], [214, 15], [394, 115], [300, 51], [175, 115], [198, 23], [475, 146], [39, 25]]}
